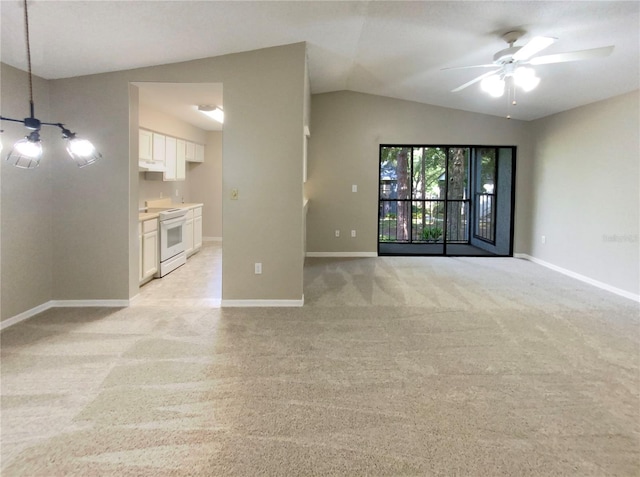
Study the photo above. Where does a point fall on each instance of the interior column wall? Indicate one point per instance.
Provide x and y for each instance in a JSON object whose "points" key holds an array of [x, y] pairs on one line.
{"points": [[93, 237]]}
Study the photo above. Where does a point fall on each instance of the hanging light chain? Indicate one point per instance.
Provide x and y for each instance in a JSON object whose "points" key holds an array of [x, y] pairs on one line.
{"points": [[26, 29]]}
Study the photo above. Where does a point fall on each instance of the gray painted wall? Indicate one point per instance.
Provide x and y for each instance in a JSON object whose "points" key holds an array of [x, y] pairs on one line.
{"points": [[27, 206], [347, 129], [577, 178], [205, 185], [587, 196], [70, 233], [262, 150], [73, 235]]}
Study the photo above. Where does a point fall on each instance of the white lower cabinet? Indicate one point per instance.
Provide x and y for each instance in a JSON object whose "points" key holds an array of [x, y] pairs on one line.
{"points": [[197, 228], [188, 233], [149, 248], [193, 231]]}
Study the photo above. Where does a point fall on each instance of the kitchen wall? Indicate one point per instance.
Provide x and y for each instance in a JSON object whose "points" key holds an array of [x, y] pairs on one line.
{"points": [[587, 191], [262, 150], [346, 131], [27, 207], [155, 120], [205, 185]]}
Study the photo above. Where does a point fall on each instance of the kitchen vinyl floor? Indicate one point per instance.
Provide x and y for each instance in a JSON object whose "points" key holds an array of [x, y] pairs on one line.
{"points": [[197, 283]]}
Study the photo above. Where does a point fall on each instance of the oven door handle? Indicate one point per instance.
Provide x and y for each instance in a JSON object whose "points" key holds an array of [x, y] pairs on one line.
{"points": [[175, 221]]}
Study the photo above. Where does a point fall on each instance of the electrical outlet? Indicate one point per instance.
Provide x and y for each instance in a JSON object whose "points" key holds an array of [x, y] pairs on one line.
{"points": [[354, 188], [353, 233], [234, 194], [544, 239], [337, 233], [258, 268]]}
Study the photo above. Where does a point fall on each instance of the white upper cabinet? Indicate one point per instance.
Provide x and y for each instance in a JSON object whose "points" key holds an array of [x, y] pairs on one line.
{"points": [[194, 152], [181, 154], [168, 155], [145, 146], [199, 153], [159, 145], [170, 159], [190, 155]]}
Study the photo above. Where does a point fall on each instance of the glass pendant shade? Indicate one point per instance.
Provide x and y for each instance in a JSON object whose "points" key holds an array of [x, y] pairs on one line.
{"points": [[82, 151], [494, 85], [526, 78], [27, 152]]}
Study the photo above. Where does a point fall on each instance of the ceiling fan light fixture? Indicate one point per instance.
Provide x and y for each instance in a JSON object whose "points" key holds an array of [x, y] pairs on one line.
{"points": [[526, 78], [494, 85]]}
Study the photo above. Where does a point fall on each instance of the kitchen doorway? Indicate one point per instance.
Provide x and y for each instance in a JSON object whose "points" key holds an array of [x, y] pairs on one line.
{"points": [[446, 200], [174, 111]]}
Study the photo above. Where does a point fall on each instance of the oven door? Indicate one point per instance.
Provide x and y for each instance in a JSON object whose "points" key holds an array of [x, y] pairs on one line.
{"points": [[172, 237]]}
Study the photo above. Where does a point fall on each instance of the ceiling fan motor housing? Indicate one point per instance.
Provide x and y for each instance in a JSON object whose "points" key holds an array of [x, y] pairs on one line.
{"points": [[505, 56]]}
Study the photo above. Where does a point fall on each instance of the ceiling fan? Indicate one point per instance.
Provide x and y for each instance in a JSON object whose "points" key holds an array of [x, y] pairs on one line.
{"points": [[514, 63]]}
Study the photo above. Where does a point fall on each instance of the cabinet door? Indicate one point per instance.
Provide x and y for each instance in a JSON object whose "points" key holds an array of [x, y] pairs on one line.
{"points": [[188, 236], [150, 254], [145, 145], [159, 147], [197, 232], [140, 264], [181, 167], [199, 153], [170, 158], [190, 152]]}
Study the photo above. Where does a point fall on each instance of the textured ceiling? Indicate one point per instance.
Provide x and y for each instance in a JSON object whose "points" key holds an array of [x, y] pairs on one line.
{"points": [[388, 48]]}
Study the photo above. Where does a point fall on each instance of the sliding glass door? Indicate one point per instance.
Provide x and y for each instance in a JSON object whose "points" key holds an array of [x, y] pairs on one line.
{"points": [[443, 200]]}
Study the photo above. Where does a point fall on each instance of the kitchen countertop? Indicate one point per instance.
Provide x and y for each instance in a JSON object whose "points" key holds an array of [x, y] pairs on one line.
{"points": [[186, 206], [153, 212], [142, 216]]}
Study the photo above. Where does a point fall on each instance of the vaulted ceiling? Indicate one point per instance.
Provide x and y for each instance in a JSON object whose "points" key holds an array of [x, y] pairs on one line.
{"points": [[388, 48]]}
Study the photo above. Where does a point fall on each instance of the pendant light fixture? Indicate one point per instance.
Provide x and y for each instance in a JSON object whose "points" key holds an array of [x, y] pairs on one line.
{"points": [[27, 152]]}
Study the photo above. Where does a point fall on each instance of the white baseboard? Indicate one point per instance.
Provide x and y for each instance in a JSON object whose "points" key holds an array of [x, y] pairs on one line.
{"points": [[61, 304], [261, 303], [342, 254], [25, 315], [90, 303], [212, 239], [582, 278]]}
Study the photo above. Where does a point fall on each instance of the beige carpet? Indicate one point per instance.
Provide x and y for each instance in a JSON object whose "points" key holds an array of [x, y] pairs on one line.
{"points": [[395, 367]]}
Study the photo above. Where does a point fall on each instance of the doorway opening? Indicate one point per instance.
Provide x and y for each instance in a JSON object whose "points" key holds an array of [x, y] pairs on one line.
{"points": [[446, 200], [180, 166]]}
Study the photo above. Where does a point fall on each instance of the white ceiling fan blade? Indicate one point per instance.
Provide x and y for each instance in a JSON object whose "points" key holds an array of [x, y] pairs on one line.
{"points": [[572, 56], [492, 65], [534, 46], [475, 80]]}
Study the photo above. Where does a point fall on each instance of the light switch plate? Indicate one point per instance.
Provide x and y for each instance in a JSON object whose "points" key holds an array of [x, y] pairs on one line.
{"points": [[354, 188]]}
